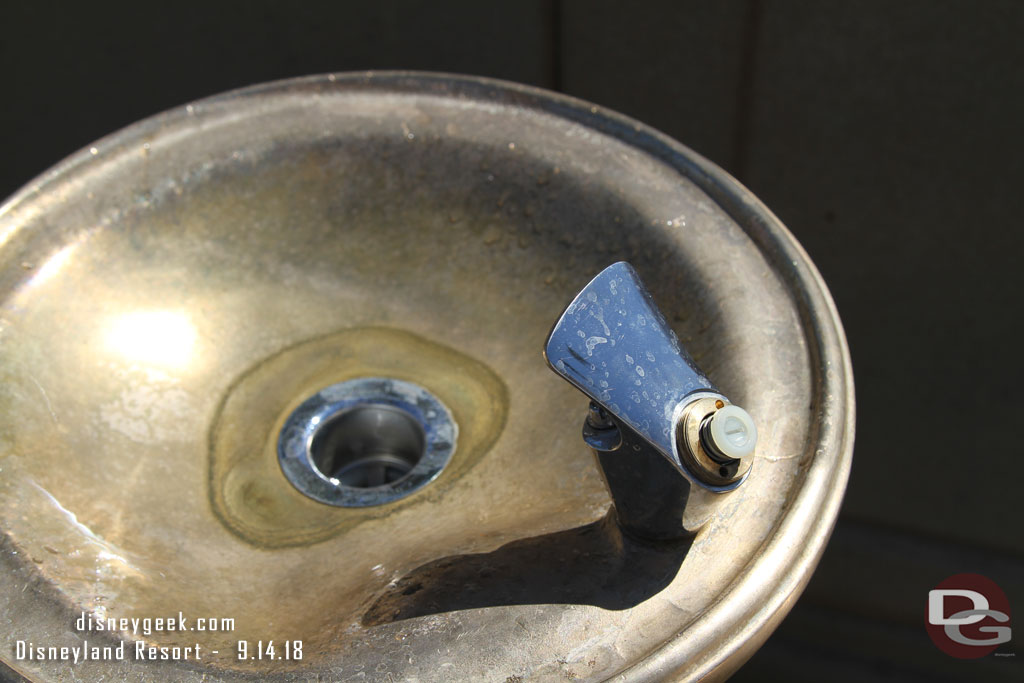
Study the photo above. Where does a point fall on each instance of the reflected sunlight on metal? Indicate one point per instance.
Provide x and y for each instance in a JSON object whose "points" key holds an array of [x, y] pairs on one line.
{"points": [[53, 265], [164, 339]]}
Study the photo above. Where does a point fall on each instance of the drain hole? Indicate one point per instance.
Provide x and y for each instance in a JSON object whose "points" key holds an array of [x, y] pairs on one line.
{"points": [[367, 441], [368, 445]]}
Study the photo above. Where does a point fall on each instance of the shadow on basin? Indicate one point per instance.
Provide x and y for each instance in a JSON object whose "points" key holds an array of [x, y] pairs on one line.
{"points": [[594, 565]]}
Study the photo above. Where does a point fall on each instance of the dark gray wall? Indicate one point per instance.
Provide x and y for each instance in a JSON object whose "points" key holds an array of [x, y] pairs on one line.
{"points": [[886, 135]]}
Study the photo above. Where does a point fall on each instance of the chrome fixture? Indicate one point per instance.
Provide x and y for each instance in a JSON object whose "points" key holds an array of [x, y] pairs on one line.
{"points": [[366, 442], [663, 435]]}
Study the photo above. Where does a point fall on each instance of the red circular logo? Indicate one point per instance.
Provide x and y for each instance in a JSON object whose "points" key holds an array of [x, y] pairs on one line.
{"points": [[967, 616]]}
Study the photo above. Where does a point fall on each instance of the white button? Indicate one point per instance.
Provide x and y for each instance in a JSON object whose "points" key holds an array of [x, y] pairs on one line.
{"points": [[733, 432]]}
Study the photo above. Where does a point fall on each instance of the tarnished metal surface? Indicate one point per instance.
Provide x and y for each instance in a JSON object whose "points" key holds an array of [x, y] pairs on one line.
{"points": [[432, 226]]}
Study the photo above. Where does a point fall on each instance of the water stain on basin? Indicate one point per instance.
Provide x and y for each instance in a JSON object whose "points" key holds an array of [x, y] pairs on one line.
{"points": [[247, 490]]}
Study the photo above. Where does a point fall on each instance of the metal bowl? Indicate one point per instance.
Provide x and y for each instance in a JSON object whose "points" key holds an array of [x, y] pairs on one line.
{"points": [[173, 293]]}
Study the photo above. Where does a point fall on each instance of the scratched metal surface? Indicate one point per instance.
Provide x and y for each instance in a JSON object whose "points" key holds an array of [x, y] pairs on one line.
{"points": [[165, 297]]}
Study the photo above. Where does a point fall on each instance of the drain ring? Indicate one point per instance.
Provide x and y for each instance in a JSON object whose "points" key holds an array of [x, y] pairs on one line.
{"points": [[365, 442]]}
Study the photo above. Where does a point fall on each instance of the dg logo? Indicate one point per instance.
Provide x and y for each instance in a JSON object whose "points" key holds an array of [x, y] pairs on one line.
{"points": [[968, 616]]}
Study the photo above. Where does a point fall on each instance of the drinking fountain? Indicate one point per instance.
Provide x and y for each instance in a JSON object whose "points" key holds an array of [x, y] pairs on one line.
{"points": [[280, 364]]}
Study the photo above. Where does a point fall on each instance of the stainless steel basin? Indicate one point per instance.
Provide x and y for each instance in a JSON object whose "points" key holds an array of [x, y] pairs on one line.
{"points": [[171, 294]]}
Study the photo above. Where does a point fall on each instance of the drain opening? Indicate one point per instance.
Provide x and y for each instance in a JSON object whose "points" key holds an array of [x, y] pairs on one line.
{"points": [[366, 442], [368, 445]]}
